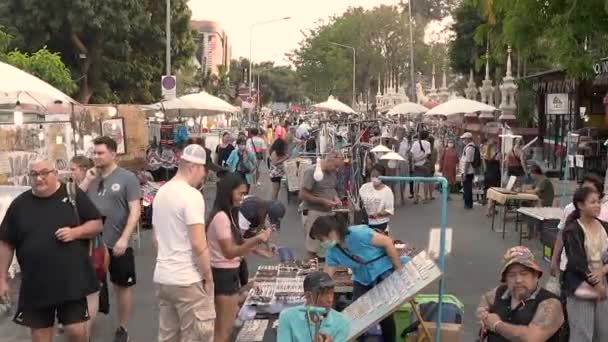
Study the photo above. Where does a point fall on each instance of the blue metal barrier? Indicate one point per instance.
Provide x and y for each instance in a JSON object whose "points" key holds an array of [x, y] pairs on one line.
{"points": [[444, 221]]}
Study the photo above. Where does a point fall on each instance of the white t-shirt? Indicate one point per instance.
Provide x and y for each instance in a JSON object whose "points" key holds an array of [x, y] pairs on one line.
{"points": [[375, 201], [569, 209], [421, 149], [176, 206]]}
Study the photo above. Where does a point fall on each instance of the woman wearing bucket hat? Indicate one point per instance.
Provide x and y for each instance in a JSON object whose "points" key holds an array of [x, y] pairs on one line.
{"points": [[520, 309]]}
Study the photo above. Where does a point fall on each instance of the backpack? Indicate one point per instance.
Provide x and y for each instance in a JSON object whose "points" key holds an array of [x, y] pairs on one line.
{"points": [[476, 158]]}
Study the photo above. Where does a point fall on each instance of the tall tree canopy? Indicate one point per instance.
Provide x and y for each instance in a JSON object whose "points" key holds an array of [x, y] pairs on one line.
{"points": [[43, 64], [544, 34], [114, 47], [381, 39]]}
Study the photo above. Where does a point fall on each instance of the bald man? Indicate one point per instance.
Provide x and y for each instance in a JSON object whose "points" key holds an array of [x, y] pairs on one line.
{"points": [[50, 233]]}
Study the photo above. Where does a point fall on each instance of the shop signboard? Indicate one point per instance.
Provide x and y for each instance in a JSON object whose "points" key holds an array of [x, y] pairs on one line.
{"points": [[557, 103], [601, 67]]}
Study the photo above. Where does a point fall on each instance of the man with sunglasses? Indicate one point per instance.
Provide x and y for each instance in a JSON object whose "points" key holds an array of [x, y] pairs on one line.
{"points": [[50, 232], [315, 321], [117, 194]]}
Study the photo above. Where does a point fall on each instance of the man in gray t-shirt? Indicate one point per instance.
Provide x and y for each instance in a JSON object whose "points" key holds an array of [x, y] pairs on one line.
{"points": [[319, 197], [116, 193], [111, 195]]}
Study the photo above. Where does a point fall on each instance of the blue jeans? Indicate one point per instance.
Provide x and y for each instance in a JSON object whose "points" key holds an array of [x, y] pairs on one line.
{"points": [[467, 191]]}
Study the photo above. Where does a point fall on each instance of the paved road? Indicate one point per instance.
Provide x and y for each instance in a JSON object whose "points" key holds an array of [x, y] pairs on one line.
{"points": [[472, 268]]}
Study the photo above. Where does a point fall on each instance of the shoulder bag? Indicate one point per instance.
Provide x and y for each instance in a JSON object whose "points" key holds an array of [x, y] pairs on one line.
{"points": [[100, 258]]}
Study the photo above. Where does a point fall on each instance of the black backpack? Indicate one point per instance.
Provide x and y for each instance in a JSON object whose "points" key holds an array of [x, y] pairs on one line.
{"points": [[476, 158]]}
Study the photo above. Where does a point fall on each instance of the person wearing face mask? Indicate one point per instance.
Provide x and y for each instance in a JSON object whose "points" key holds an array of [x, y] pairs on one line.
{"points": [[378, 201], [448, 164], [242, 162], [370, 255], [315, 321], [223, 149]]}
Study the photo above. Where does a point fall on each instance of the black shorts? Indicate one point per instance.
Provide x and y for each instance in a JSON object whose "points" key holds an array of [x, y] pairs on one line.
{"points": [[380, 228], [122, 268], [276, 179], [71, 312], [226, 281]]}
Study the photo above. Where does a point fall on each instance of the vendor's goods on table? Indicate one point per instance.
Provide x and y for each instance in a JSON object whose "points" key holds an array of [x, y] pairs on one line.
{"points": [[281, 283]]}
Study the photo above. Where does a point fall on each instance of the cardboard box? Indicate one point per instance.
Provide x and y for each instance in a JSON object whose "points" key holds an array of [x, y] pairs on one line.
{"points": [[450, 332]]}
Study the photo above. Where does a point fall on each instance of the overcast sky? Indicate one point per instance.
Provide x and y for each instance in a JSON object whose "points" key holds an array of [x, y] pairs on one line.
{"points": [[271, 41]]}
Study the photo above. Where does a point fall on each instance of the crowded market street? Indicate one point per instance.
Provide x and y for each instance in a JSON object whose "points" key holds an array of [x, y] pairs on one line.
{"points": [[471, 268], [314, 171]]}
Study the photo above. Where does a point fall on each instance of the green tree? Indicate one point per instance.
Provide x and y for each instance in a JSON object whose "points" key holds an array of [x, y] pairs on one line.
{"points": [[43, 64], [463, 51], [116, 47], [381, 39]]}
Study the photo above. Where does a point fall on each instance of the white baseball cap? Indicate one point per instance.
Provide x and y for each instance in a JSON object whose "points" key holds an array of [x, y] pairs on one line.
{"points": [[466, 135], [194, 154]]}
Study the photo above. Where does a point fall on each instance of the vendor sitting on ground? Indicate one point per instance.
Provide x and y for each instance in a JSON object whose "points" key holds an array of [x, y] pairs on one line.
{"points": [[543, 188], [520, 310], [314, 321]]}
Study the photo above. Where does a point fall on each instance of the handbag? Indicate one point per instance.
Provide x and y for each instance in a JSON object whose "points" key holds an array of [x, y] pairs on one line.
{"points": [[100, 257], [586, 291]]}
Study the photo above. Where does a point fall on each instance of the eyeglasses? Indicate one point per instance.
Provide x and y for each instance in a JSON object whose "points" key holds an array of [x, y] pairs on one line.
{"points": [[42, 174]]}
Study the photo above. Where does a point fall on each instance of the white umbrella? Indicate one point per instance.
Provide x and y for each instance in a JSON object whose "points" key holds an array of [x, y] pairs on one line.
{"points": [[458, 106], [407, 108], [381, 148], [333, 105], [193, 104], [20, 86]]}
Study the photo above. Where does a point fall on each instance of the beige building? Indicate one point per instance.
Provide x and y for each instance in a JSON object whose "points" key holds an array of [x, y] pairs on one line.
{"points": [[213, 47]]}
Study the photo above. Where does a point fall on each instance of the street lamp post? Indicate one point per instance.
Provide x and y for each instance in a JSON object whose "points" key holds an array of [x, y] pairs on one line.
{"points": [[168, 40], [413, 85], [354, 68], [411, 63], [249, 80]]}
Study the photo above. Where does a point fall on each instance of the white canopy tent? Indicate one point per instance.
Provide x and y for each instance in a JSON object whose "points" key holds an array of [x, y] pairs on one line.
{"points": [[459, 106], [333, 105], [20, 87], [201, 103], [407, 108]]}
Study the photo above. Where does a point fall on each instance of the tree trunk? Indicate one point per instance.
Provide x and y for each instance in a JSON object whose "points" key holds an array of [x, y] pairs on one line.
{"points": [[85, 91]]}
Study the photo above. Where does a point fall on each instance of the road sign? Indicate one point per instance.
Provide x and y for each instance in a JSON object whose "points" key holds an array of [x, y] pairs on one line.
{"points": [[169, 87]]}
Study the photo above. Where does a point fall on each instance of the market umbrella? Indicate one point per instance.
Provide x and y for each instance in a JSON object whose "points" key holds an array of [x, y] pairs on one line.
{"points": [[201, 103], [458, 106], [407, 108], [333, 105], [18, 86]]}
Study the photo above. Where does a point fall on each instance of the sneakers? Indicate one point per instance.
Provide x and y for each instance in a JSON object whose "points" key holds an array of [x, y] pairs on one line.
{"points": [[121, 335]]}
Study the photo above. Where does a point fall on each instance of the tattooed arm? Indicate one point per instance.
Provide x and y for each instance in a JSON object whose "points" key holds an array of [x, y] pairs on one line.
{"points": [[548, 319], [487, 299]]}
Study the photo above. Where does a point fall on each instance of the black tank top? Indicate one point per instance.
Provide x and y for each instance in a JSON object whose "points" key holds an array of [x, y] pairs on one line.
{"points": [[521, 315]]}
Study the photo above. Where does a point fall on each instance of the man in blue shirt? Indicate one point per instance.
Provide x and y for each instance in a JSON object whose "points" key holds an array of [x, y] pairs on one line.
{"points": [[314, 321]]}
